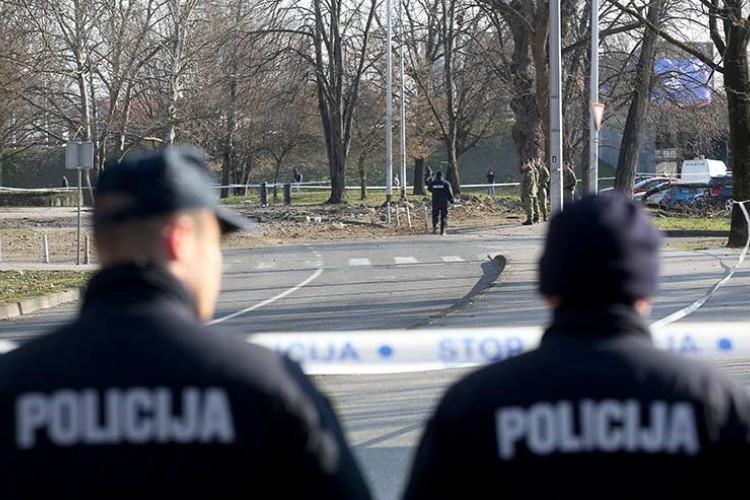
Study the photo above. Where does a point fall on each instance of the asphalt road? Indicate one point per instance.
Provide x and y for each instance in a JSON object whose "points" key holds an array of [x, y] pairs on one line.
{"points": [[412, 283]]}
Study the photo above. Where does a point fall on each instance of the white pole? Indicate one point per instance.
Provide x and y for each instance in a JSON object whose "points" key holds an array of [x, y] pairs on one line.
{"points": [[403, 101], [389, 103], [594, 92], [87, 253], [78, 233], [45, 249], [555, 108]]}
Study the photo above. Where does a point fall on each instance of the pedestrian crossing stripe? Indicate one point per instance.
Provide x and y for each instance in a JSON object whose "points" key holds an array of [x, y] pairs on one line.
{"points": [[452, 258], [360, 262], [405, 260]]}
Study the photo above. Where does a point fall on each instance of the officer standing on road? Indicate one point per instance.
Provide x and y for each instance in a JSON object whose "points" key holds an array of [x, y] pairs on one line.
{"points": [[442, 194], [529, 193], [570, 181], [542, 185], [596, 411], [136, 398]]}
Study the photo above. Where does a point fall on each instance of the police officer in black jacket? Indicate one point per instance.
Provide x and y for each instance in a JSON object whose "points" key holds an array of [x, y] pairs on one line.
{"points": [[596, 411], [136, 398], [442, 194]]}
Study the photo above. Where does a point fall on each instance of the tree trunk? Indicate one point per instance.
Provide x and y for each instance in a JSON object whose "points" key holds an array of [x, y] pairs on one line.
{"points": [[541, 68], [737, 82], [419, 187], [527, 133], [362, 176], [337, 165], [227, 166], [632, 136]]}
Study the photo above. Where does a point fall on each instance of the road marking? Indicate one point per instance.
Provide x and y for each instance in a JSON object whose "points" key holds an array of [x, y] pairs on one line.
{"points": [[360, 262], [265, 265], [405, 260], [283, 294], [452, 258]]}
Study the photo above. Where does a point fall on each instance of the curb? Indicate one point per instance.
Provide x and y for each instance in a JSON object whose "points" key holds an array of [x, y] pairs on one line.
{"points": [[689, 233], [32, 304]]}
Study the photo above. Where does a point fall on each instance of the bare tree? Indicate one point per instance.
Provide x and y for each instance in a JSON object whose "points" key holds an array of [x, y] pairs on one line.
{"points": [[340, 36], [448, 53], [729, 25], [368, 129], [632, 137]]}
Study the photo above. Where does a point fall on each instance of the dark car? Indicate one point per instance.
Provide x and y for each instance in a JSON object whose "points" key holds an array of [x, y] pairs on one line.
{"points": [[685, 195], [720, 191]]}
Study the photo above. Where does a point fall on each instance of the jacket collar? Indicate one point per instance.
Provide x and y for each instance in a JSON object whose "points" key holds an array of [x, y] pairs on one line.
{"points": [[591, 324], [133, 283]]}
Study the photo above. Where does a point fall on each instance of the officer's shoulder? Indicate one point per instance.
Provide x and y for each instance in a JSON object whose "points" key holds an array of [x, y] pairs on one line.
{"points": [[485, 384], [240, 362], [693, 377]]}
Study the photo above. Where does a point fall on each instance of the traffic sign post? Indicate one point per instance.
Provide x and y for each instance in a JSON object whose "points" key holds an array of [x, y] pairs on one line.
{"points": [[79, 156]]}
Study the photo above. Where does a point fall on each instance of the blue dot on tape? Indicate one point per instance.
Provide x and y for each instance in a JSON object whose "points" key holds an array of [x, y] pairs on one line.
{"points": [[385, 351], [725, 344]]}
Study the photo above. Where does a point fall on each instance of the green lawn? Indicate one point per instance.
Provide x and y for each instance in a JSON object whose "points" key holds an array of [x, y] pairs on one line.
{"points": [[17, 285], [692, 223]]}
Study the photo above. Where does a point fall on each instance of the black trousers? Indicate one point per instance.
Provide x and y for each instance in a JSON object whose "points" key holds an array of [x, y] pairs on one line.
{"points": [[443, 213]]}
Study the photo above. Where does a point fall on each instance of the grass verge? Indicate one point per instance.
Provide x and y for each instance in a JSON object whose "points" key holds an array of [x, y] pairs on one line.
{"points": [[697, 244], [692, 223], [17, 285]]}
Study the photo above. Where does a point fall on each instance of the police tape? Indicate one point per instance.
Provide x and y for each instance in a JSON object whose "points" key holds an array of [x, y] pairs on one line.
{"points": [[678, 315], [403, 351], [365, 352]]}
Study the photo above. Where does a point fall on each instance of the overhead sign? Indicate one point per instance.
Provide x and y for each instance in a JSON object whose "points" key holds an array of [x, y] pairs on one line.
{"points": [[597, 109], [79, 155]]}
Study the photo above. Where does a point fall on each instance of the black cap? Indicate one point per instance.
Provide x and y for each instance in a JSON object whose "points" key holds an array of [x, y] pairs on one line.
{"points": [[600, 250], [151, 183]]}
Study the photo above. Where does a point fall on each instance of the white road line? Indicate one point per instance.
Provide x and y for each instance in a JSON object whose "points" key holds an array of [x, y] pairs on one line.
{"points": [[283, 294], [452, 258], [405, 260], [360, 262], [265, 265]]}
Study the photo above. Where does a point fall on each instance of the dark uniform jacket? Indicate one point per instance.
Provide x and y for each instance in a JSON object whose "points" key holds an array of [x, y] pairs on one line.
{"points": [[137, 399], [442, 193], [595, 412]]}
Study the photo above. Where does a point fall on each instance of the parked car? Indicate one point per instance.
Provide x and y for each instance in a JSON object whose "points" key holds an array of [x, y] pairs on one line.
{"points": [[685, 195], [651, 191], [648, 184], [648, 187], [720, 191]]}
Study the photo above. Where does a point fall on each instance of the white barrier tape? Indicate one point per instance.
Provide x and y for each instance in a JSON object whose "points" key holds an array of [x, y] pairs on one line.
{"points": [[678, 315], [401, 351]]}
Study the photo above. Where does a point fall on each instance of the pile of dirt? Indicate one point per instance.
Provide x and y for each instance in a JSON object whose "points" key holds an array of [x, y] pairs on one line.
{"points": [[22, 233]]}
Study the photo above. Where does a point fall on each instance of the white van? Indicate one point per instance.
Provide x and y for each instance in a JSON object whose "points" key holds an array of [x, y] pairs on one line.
{"points": [[701, 170]]}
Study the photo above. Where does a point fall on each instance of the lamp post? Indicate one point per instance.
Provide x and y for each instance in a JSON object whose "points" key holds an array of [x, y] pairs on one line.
{"points": [[403, 101], [389, 105], [555, 108], [593, 180]]}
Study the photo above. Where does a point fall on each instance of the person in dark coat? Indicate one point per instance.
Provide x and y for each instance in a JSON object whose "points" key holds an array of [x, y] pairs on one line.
{"points": [[442, 195], [596, 411], [136, 397]]}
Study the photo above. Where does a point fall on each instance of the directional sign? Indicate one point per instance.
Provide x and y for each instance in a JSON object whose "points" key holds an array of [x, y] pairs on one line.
{"points": [[79, 155], [597, 109]]}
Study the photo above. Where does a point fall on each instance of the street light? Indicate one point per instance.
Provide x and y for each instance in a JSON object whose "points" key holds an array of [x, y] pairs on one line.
{"points": [[555, 108], [389, 106], [593, 179]]}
